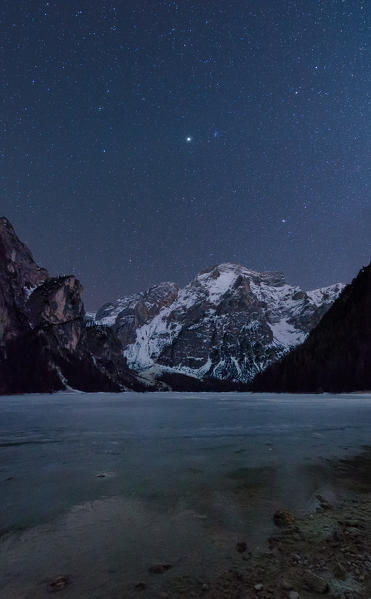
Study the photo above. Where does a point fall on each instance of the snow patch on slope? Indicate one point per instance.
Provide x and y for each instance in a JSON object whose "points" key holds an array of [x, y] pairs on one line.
{"points": [[150, 340], [215, 288], [325, 294], [286, 334]]}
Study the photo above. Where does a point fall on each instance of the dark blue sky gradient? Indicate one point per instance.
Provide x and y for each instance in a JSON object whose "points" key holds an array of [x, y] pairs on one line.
{"points": [[98, 99]]}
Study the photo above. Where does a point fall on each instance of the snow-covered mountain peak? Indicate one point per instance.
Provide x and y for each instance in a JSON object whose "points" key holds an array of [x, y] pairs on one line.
{"points": [[229, 322], [228, 272], [214, 284]]}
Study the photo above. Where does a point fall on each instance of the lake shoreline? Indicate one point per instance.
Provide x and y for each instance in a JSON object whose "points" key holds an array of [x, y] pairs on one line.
{"points": [[326, 552], [175, 496]]}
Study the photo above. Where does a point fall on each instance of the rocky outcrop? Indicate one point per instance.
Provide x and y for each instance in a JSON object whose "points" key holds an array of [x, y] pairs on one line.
{"points": [[107, 352], [56, 307], [19, 274], [225, 326], [47, 345], [127, 314], [336, 356]]}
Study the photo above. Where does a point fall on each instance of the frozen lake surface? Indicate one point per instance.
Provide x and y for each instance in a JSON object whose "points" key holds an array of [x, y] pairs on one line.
{"points": [[101, 486]]}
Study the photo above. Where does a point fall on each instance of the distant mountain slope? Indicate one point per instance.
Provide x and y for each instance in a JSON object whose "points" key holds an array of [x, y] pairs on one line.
{"points": [[337, 354], [131, 312], [228, 324]]}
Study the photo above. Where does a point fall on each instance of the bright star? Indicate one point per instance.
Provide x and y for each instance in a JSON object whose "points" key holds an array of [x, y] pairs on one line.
{"points": [[189, 139]]}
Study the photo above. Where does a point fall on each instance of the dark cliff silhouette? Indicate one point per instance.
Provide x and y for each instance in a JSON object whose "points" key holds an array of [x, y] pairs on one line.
{"points": [[46, 344]]}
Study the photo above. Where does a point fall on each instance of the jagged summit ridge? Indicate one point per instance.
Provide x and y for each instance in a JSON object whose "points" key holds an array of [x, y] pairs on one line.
{"points": [[228, 323]]}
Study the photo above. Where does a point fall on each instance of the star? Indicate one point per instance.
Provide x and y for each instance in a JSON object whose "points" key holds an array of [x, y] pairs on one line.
{"points": [[189, 139]]}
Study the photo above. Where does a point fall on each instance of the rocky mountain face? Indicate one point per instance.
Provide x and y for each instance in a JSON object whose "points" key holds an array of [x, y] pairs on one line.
{"points": [[130, 313], [19, 275], [336, 356], [227, 325], [45, 342]]}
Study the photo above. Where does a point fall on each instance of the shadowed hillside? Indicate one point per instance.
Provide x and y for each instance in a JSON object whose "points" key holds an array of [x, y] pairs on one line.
{"points": [[336, 356]]}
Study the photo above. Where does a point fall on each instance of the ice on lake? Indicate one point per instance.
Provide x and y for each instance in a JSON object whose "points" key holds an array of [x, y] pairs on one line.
{"points": [[101, 486]]}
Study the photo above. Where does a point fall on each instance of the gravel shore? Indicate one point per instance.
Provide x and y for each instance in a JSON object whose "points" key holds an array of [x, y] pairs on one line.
{"points": [[325, 552]]}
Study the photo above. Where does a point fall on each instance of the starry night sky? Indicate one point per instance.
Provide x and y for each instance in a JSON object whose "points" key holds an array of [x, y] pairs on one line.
{"points": [[145, 140]]}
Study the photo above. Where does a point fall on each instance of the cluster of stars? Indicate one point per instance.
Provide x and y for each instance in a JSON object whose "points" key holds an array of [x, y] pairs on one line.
{"points": [[149, 138]]}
